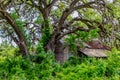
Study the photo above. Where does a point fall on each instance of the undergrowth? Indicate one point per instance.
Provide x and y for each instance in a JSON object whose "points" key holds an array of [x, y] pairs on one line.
{"points": [[43, 67]]}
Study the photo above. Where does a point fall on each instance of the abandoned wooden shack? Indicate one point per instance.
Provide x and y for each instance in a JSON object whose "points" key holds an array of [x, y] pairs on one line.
{"points": [[93, 48]]}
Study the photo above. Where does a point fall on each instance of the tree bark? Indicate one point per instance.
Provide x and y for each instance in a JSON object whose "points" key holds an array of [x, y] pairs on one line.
{"points": [[23, 48], [59, 52], [57, 47], [20, 41]]}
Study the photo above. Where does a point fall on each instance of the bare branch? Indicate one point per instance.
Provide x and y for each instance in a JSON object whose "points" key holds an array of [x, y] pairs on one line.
{"points": [[73, 3], [12, 22], [10, 34], [83, 20], [44, 2], [73, 31], [68, 11], [51, 4], [86, 5]]}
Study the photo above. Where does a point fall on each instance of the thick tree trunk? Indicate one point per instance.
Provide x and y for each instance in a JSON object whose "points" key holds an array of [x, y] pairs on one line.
{"points": [[59, 52], [54, 45], [57, 47], [51, 44]]}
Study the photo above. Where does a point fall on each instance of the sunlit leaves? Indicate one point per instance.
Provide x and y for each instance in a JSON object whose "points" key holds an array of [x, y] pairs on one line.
{"points": [[93, 33], [92, 14], [87, 36], [15, 15], [116, 9], [39, 19], [29, 2], [71, 42], [61, 5]]}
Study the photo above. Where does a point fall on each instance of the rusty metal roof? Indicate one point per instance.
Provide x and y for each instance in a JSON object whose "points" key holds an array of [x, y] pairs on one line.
{"points": [[94, 52]]}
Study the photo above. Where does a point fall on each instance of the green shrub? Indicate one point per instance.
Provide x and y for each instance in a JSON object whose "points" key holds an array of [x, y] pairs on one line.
{"points": [[43, 67]]}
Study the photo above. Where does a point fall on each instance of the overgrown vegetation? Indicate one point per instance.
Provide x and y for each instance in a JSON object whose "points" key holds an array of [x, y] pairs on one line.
{"points": [[44, 31], [43, 67]]}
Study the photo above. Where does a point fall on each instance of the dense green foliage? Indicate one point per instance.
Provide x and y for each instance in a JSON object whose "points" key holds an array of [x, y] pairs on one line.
{"points": [[34, 27], [43, 67], [81, 36]]}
